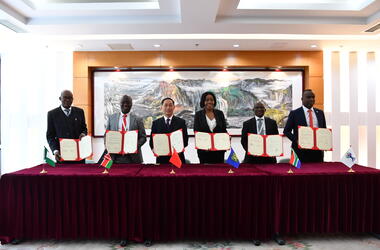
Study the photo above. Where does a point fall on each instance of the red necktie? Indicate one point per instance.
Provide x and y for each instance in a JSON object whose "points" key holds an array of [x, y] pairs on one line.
{"points": [[310, 118], [124, 125]]}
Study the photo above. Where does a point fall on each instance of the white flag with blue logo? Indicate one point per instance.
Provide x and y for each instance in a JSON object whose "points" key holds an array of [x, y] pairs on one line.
{"points": [[349, 158]]}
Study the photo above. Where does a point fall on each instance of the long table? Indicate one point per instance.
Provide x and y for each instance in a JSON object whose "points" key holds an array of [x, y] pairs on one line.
{"points": [[200, 202]]}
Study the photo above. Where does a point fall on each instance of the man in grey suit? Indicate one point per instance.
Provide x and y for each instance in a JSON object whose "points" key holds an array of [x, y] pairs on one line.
{"points": [[125, 121]]}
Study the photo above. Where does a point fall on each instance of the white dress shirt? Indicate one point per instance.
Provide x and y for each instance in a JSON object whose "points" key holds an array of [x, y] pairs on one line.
{"points": [[315, 120], [121, 122], [257, 125]]}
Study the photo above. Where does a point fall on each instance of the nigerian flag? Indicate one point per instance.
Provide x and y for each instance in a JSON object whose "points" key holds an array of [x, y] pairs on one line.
{"points": [[47, 158]]}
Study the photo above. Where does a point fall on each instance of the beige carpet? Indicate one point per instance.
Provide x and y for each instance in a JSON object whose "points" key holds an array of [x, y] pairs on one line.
{"points": [[330, 242]]}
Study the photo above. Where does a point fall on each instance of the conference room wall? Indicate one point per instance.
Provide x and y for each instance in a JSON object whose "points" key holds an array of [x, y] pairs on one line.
{"points": [[85, 62]]}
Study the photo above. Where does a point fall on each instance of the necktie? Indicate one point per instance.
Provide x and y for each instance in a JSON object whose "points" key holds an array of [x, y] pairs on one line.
{"points": [[260, 127], [124, 125], [168, 122], [67, 112], [310, 118]]}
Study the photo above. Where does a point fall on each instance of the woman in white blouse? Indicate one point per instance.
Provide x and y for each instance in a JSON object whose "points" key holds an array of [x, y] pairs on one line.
{"points": [[210, 120]]}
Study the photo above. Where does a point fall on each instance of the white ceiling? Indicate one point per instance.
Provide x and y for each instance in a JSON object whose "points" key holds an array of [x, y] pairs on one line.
{"points": [[181, 24]]}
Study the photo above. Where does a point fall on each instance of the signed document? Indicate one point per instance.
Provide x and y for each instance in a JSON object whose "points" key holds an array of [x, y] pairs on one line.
{"points": [[324, 139], [222, 141], [203, 140], [274, 145], [163, 143], [75, 149], [255, 144], [305, 137], [118, 142]]}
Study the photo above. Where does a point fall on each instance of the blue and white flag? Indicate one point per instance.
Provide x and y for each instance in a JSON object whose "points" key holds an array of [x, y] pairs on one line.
{"points": [[349, 158]]}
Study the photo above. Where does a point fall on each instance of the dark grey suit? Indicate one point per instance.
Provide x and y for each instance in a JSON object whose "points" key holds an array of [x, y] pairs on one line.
{"points": [[135, 123]]}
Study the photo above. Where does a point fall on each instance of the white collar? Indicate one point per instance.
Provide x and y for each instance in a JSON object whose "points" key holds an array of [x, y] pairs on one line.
{"points": [[63, 108], [306, 109], [170, 118], [256, 117]]}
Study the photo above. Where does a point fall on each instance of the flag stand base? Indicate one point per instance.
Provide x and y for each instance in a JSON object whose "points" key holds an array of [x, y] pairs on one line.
{"points": [[231, 171], [351, 170], [172, 172], [290, 171], [43, 171], [105, 171]]}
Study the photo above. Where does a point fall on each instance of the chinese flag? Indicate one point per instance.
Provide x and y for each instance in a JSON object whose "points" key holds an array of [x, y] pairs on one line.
{"points": [[175, 160]]}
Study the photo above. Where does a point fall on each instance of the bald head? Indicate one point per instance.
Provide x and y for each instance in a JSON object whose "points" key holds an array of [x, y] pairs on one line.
{"points": [[66, 98]]}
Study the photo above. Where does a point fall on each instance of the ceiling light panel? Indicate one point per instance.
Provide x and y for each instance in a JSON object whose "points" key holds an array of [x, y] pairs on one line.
{"points": [[93, 4], [343, 5]]}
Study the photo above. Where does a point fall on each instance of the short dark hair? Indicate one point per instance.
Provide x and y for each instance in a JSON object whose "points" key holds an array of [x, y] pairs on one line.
{"points": [[203, 98], [306, 90], [167, 98]]}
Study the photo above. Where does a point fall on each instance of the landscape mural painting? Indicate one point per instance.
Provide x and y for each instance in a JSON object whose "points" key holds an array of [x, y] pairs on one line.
{"points": [[236, 93]]}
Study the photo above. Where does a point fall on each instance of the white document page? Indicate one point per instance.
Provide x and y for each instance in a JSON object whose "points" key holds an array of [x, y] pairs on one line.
{"points": [[113, 142], [176, 140], [222, 141], [203, 140], [274, 145], [255, 144], [161, 144], [68, 149], [85, 147], [324, 139], [306, 137], [130, 142]]}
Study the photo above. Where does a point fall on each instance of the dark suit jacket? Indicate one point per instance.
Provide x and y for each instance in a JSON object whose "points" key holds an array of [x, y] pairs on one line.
{"points": [[61, 126], [250, 127], [200, 124], [297, 118], [159, 127], [136, 123]]}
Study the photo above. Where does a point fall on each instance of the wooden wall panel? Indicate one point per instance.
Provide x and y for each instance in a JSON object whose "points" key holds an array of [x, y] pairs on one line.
{"points": [[85, 62]]}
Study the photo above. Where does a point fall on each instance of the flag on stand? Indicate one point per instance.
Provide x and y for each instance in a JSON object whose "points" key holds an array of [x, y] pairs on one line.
{"points": [[175, 160], [349, 158], [47, 158], [107, 161], [294, 159], [233, 160]]}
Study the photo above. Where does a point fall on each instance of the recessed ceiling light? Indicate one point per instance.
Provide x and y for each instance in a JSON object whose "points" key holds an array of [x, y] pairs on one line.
{"points": [[313, 46], [156, 45], [236, 45]]}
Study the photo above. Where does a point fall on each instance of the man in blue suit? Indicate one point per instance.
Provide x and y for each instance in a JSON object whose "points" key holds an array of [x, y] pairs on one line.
{"points": [[305, 116]]}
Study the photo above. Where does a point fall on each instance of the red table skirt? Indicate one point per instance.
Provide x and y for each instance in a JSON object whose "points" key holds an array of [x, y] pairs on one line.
{"points": [[201, 202]]}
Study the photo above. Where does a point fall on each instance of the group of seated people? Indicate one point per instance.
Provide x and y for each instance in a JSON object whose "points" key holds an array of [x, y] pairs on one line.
{"points": [[68, 121]]}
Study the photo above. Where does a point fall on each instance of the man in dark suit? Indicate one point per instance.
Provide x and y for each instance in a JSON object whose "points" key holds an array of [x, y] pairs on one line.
{"points": [[167, 124], [125, 121], [258, 125], [305, 116], [65, 121]]}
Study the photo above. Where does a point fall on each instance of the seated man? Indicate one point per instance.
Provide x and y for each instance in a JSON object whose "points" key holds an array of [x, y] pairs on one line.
{"points": [[125, 121], [258, 125], [167, 124], [65, 121]]}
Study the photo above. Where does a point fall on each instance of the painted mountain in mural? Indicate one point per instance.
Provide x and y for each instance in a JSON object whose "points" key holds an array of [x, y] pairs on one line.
{"points": [[235, 98]]}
